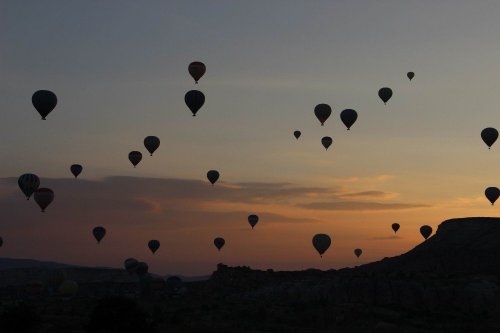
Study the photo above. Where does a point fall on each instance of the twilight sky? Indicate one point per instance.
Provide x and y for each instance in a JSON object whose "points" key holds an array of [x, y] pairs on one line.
{"points": [[119, 69]]}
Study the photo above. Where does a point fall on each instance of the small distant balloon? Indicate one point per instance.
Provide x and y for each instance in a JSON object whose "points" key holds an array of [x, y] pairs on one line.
{"points": [[253, 219], [326, 141], [44, 102], [489, 136], [135, 157], [492, 194], [43, 197], [28, 183], [76, 169], [131, 265], [348, 117], [385, 94], [219, 242], [197, 69], [297, 134], [410, 75], [213, 176], [321, 243], [322, 112], [395, 227], [194, 100], [425, 231], [151, 143], [358, 252], [154, 245], [99, 233]]}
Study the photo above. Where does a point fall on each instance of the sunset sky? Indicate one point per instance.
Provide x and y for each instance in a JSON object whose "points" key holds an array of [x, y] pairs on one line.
{"points": [[119, 70]]}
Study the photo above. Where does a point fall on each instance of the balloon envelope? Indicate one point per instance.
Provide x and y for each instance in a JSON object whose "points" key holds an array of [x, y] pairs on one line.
{"points": [[326, 141], [297, 134], [253, 219], [134, 157], [213, 176], [385, 94], [28, 183], [321, 243], [322, 112], [358, 252], [197, 69], [131, 265], [44, 102], [410, 75], [492, 194], [348, 117], [151, 143], [489, 136], [76, 169], [395, 227], [154, 245], [43, 197], [142, 268], [99, 233], [219, 242], [194, 100], [425, 231]]}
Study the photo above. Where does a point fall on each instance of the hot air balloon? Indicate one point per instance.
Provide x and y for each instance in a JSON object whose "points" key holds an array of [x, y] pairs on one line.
{"points": [[99, 233], [130, 265], [219, 242], [1, 241], [348, 117], [322, 112], [410, 75], [194, 100], [395, 227], [492, 193], [76, 169], [385, 94], [44, 102], [321, 243], [197, 69], [28, 183], [135, 157], [154, 245], [426, 231], [151, 143], [142, 268], [253, 219], [43, 197], [212, 176], [326, 141], [489, 136], [358, 252], [297, 134]]}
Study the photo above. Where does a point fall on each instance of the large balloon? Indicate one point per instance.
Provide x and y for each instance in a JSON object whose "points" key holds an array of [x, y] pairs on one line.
{"points": [[142, 268], [321, 243], [253, 219], [322, 112], [43, 197], [131, 265], [212, 176], [410, 75], [219, 242], [44, 102], [135, 157], [492, 193], [197, 69], [326, 141], [151, 143], [99, 233], [348, 117], [385, 94], [194, 100], [426, 231], [395, 227], [28, 183], [154, 245], [297, 134], [489, 136], [76, 169], [358, 252]]}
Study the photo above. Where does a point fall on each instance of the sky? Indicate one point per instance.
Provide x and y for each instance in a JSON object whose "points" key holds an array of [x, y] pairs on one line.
{"points": [[119, 70]]}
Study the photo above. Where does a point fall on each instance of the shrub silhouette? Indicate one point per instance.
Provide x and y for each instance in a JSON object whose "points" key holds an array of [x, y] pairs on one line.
{"points": [[21, 317]]}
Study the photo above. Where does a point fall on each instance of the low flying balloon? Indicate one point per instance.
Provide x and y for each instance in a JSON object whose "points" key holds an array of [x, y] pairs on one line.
{"points": [[253, 219], [142, 268], [212, 176], [154, 245], [194, 100], [395, 227], [99, 233], [489, 136], [43, 197], [326, 141], [135, 157], [151, 143], [321, 243], [385, 94], [219, 242], [348, 117], [410, 75], [322, 112], [425, 231], [76, 169], [197, 69], [492, 193], [358, 252], [297, 134], [28, 183], [130, 265], [44, 102]]}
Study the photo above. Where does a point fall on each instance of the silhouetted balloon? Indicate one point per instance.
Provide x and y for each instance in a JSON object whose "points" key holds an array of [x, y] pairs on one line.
{"points": [[385, 94], [395, 227], [194, 100], [154, 245], [358, 252], [253, 219], [151, 143], [43, 197], [28, 183], [197, 69], [492, 193], [99, 233], [297, 134], [1, 241], [135, 157], [44, 102], [322, 112], [348, 117], [76, 169], [426, 231], [326, 141], [142, 268], [489, 136], [131, 265], [410, 75], [321, 243], [219, 242], [212, 176]]}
